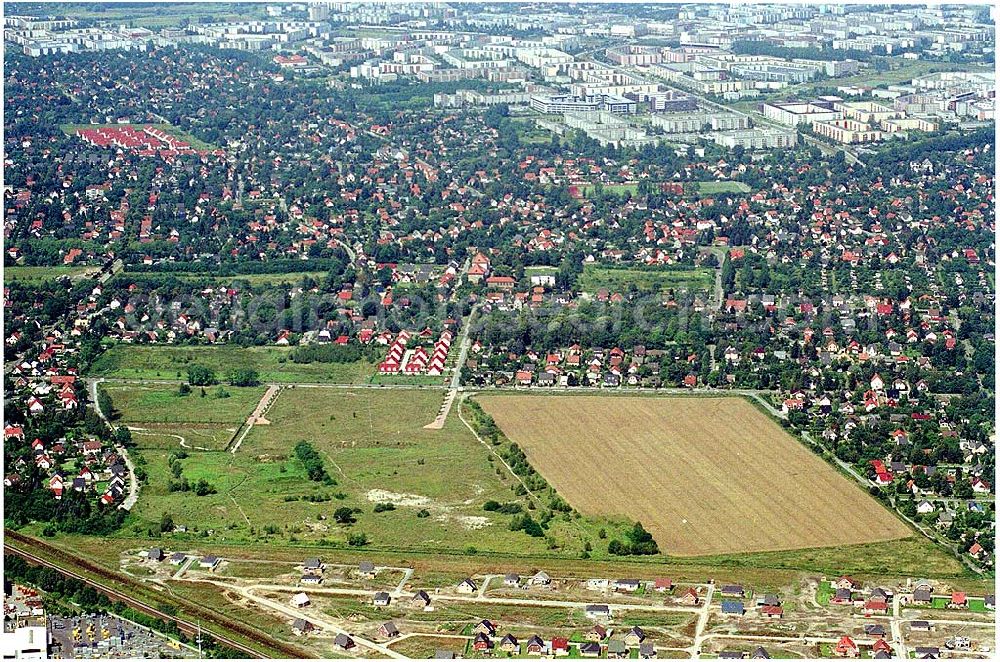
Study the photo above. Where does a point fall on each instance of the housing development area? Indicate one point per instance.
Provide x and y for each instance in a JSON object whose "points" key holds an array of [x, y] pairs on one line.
{"points": [[499, 330]]}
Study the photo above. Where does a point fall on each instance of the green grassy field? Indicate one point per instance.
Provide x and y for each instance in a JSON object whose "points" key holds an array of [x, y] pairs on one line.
{"points": [[163, 404], [375, 448], [902, 71], [540, 270], [708, 188], [161, 418], [292, 278], [158, 16], [41, 274], [616, 279], [913, 556], [272, 363], [71, 129], [618, 189]]}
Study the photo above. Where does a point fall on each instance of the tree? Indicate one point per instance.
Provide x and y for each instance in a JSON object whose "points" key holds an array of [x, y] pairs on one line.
{"points": [[244, 377], [166, 523], [343, 515], [199, 375]]}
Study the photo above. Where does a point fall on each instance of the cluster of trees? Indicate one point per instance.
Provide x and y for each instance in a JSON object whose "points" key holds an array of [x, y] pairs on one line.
{"points": [[199, 375], [313, 463], [518, 463], [506, 508], [76, 512], [638, 542], [244, 377], [527, 524], [180, 483]]}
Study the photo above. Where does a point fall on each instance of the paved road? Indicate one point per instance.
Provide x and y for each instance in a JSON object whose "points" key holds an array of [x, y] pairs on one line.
{"points": [[133, 484], [463, 349]]}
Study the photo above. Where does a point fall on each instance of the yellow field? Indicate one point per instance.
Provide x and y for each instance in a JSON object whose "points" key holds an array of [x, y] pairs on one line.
{"points": [[703, 475]]}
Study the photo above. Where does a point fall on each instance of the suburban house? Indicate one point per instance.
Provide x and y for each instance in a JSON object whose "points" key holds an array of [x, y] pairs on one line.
{"points": [[301, 626], [597, 612]]}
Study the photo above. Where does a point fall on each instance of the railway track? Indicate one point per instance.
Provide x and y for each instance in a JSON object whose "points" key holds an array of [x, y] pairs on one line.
{"points": [[186, 626]]}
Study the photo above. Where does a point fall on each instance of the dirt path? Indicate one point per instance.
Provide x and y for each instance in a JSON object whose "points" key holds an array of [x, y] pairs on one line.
{"points": [[257, 417], [493, 452]]}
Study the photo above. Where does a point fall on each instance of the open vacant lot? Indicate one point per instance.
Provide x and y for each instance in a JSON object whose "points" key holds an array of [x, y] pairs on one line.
{"points": [[704, 475], [616, 279], [376, 451], [724, 186], [161, 417], [273, 363], [42, 274]]}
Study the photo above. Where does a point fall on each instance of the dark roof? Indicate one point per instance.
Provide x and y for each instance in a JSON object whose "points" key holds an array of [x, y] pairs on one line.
{"points": [[732, 607]]}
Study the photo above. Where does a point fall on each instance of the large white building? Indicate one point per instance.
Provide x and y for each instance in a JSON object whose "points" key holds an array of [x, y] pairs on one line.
{"points": [[757, 138], [25, 643], [551, 104], [800, 112]]}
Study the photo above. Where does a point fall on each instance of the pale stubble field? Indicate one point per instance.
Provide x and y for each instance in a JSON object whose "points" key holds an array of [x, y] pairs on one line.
{"points": [[703, 475]]}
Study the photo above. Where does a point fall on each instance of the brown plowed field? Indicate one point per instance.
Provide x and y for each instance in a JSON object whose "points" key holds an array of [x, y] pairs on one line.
{"points": [[703, 475]]}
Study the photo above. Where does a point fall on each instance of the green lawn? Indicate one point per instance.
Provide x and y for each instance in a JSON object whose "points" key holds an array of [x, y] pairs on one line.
{"points": [[272, 363], [291, 278], [977, 605], [42, 274], [617, 279], [708, 188], [71, 129]]}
